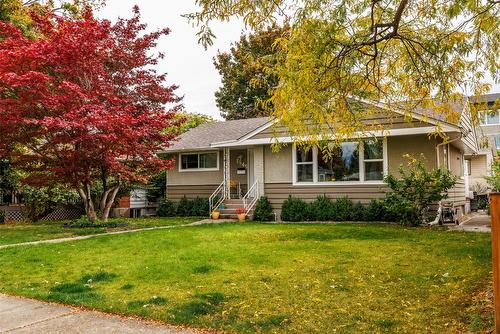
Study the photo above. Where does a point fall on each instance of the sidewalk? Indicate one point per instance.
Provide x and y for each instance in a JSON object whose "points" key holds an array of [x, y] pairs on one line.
{"points": [[20, 315], [83, 237]]}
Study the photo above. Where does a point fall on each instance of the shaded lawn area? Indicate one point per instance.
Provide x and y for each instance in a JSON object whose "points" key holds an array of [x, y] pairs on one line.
{"points": [[248, 278], [22, 232]]}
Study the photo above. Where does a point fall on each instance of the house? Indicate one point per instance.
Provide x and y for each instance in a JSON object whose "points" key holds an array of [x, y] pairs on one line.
{"points": [[135, 205], [478, 164], [234, 161]]}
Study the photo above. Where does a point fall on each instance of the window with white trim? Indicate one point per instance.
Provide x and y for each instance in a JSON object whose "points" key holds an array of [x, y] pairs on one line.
{"points": [[497, 141], [199, 161], [373, 160], [351, 161], [339, 163], [304, 163], [490, 117]]}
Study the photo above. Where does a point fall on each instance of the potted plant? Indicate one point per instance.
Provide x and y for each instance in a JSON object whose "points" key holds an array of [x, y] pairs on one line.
{"points": [[215, 214], [241, 212]]}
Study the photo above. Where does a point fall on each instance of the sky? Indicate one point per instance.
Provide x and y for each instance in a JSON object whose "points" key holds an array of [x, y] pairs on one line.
{"points": [[186, 62]]}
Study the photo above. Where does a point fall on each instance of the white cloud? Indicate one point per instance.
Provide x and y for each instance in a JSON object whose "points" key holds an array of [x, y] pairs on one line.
{"points": [[186, 63]]}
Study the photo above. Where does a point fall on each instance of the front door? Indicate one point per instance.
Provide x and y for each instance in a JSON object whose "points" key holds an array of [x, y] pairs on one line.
{"points": [[239, 173]]}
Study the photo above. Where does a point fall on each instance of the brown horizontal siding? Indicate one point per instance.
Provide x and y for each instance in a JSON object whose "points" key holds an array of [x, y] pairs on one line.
{"points": [[278, 192], [175, 193]]}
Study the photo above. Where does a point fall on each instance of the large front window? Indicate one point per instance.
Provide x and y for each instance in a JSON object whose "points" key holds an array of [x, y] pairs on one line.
{"points": [[199, 161], [355, 161], [340, 163]]}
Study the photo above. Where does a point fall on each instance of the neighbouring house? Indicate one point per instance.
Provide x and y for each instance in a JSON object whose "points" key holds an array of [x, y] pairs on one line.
{"points": [[233, 162], [135, 205], [478, 165]]}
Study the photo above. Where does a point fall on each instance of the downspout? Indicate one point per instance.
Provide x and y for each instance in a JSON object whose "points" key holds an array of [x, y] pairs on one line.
{"points": [[440, 208]]}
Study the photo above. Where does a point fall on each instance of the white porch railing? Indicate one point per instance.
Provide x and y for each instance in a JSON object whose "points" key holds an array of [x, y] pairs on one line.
{"points": [[251, 197], [217, 198]]}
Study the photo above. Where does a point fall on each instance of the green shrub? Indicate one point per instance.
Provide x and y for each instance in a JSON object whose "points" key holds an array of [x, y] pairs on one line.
{"points": [[375, 211], [166, 209], [294, 210], [199, 207], [415, 190], [321, 209], [184, 207], [342, 209], [358, 213], [84, 222], [263, 210]]}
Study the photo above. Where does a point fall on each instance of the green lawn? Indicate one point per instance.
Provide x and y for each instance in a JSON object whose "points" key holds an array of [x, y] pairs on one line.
{"points": [[17, 233], [248, 278]]}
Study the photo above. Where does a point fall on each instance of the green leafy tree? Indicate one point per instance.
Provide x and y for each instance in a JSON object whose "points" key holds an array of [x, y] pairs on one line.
{"points": [[415, 190], [248, 78], [494, 179], [423, 52], [18, 11]]}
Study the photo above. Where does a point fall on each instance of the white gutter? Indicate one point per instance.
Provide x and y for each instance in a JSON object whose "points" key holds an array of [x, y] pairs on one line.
{"points": [[440, 208]]}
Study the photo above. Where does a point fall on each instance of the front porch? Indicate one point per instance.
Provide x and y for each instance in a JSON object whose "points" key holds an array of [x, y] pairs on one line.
{"points": [[243, 181]]}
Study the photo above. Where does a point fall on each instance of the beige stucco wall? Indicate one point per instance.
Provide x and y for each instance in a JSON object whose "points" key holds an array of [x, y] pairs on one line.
{"points": [[456, 161], [414, 145], [278, 165], [195, 177]]}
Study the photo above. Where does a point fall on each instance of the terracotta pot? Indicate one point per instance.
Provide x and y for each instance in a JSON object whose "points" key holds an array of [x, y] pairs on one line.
{"points": [[215, 214], [241, 217]]}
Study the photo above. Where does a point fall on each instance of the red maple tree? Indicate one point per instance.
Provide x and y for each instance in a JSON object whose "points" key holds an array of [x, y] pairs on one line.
{"points": [[83, 105]]}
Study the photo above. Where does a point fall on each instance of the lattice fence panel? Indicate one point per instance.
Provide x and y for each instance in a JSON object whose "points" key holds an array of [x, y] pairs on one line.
{"points": [[13, 214], [63, 214]]}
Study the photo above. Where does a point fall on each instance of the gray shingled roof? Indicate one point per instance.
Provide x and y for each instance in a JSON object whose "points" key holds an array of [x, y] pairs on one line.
{"points": [[202, 136]]}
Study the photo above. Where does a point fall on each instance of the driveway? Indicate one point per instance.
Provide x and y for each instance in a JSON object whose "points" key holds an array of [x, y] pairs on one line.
{"points": [[20, 315]]}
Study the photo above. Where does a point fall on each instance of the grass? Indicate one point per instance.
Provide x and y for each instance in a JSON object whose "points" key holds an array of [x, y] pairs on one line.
{"points": [[248, 278], [24, 232]]}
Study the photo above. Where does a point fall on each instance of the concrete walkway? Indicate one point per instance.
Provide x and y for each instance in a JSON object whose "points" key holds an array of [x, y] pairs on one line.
{"points": [[20, 315], [474, 222], [83, 237]]}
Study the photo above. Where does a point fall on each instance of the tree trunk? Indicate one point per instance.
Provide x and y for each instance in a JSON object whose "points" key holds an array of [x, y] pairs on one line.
{"points": [[86, 197], [109, 202]]}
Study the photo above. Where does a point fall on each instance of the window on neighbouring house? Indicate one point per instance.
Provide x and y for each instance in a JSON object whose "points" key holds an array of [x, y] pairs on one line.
{"points": [[194, 161], [497, 141], [490, 117]]}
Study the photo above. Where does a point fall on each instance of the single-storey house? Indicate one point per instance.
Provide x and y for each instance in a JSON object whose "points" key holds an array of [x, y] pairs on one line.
{"points": [[234, 161]]}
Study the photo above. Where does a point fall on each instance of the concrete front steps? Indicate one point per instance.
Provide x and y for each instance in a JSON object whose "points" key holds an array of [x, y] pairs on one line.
{"points": [[230, 206]]}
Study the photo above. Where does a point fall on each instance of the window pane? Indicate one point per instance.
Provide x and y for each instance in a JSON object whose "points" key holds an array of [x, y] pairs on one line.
{"points": [[374, 170], [497, 141], [492, 118], [304, 155], [305, 173], [373, 149], [208, 160], [341, 165], [189, 161]]}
